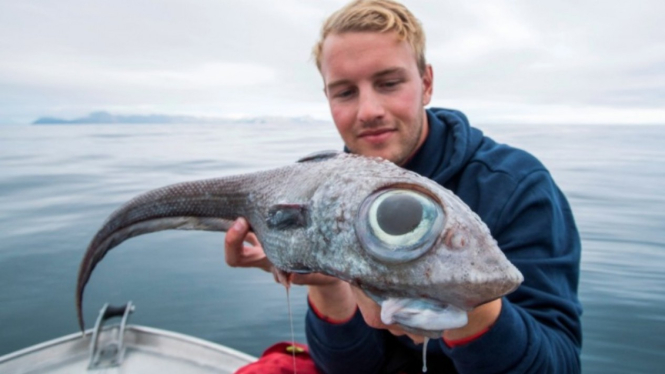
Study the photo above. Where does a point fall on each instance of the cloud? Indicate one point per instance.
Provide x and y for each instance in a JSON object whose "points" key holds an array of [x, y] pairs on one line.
{"points": [[65, 73], [602, 55], [522, 61]]}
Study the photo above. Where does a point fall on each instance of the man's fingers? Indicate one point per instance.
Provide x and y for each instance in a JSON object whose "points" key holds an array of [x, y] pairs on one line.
{"points": [[251, 239], [236, 234], [234, 243], [237, 254]]}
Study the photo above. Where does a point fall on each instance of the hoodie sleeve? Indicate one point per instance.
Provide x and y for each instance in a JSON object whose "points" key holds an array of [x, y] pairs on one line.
{"points": [[350, 347], [538, 330]]}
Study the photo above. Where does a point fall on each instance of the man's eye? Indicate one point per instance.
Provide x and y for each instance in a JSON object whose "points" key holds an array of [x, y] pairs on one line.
{"points": [[390, 84], [344, 94]]}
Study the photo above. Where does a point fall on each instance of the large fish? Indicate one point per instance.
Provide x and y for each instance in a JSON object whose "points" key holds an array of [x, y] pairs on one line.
{"points": [[408, 243]]}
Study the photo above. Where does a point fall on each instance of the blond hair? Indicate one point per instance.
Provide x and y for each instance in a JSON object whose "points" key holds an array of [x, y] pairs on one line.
{"points": [[375, 16]]}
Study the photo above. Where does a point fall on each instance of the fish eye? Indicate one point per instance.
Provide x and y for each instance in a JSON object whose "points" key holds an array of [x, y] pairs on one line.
{"points": [[399, 225], [397, 213]]}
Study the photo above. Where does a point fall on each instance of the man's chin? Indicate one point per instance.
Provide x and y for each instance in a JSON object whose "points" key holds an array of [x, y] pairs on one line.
{"points": [[385, 153]]}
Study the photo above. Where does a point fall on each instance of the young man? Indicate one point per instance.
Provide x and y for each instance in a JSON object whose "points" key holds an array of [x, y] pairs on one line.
{"points": [[377, 82]]}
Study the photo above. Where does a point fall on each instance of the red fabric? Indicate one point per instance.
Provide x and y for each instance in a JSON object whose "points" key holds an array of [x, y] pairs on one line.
{"points": [[278, 359], [458, 342]]}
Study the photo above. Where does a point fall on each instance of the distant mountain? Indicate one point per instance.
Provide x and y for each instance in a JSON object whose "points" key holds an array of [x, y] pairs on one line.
{"points": [[102, 117]]}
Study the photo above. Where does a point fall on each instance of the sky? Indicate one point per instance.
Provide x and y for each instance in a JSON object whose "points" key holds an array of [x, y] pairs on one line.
{"points": [[520, 61]]}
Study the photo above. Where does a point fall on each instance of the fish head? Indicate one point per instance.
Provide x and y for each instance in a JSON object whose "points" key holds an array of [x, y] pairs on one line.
{"points": [[419, 252]]}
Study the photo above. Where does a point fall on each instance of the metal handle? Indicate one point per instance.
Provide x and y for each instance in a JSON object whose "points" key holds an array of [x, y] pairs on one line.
{"points": [[111, 311], [113, 352]]}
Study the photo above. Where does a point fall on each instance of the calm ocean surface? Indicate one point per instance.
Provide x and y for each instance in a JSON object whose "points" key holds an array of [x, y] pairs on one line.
{"points": [[59, 183]]}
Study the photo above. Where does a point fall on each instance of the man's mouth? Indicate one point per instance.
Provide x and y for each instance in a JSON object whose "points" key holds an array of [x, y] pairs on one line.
{"points": [[376, 135]]}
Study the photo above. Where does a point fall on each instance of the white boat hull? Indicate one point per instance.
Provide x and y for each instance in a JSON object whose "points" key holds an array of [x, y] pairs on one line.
{"points": [[147, 350]]}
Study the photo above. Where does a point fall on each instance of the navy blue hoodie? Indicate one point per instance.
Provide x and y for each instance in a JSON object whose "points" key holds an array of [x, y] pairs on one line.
{"points": [[538, 330]]}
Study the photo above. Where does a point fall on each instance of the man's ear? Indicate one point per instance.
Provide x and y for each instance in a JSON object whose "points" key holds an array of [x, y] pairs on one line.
{"points": [[428, 84]]}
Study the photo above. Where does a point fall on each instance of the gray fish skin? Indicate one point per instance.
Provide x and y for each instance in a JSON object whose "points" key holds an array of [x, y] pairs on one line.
{"points": [[306, 217]]}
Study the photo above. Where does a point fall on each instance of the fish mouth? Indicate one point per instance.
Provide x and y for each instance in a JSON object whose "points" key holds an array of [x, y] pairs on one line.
{"points": [[421, 316]]}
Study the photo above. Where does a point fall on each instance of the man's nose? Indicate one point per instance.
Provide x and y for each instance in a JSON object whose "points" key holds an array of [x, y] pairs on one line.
{"points": [[370, 107]]}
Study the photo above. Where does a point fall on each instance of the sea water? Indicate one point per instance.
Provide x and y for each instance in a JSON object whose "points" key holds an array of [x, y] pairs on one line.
{"points": [[59, 183]]}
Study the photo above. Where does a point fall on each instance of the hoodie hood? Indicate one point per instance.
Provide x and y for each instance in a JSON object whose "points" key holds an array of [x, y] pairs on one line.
{"points": [[460, 141]]}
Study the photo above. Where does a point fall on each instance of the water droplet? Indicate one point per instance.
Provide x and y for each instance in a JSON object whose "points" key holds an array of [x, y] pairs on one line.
{"points": [[425, 354]]}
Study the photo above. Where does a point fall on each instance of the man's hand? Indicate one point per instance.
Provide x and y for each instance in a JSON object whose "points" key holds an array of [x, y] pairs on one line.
{"points": [[238, 254], [480, 319]]}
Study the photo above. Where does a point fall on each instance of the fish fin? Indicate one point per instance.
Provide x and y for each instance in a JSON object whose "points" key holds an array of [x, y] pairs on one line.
{"points": [[319, 156], [287, 216]]}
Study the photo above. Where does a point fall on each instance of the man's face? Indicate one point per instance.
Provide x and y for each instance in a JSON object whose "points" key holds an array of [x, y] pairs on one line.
{"points": [[376, 93]]}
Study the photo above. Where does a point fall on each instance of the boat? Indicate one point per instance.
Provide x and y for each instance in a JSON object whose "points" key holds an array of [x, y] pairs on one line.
{"points": [[124, 348]]}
